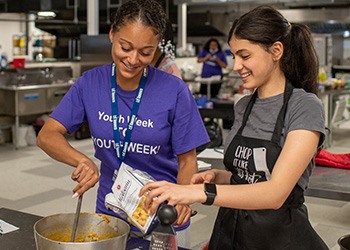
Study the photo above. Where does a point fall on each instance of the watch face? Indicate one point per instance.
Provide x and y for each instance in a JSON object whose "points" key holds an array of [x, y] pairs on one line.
{"points": [[210, 188]]}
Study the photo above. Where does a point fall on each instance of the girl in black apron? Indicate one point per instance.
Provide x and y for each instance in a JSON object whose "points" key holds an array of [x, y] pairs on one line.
{"points": [[268, 229], [261, 192], [285, 228]]}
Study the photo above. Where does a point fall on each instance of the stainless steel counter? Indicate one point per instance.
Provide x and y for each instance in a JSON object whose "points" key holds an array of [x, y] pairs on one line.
{"points": [[20, 101], [325, 182], [330, 183]]}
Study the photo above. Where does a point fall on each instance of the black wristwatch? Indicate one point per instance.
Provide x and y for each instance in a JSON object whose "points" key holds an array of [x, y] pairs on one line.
{"points": [[210, 191]]}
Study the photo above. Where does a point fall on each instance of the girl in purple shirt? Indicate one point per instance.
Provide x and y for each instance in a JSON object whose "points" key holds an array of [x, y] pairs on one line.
{"points": [[129, 103]]}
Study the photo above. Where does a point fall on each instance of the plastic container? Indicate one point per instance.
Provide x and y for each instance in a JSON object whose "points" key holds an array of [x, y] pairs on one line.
{"points": [[19, 62], [15, 40], [3, 61]]}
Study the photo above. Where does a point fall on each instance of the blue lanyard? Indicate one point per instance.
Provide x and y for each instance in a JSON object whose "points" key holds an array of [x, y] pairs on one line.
{"points": [[121, 150]]}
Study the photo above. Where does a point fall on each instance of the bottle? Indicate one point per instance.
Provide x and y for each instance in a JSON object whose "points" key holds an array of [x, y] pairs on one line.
{"points": [[322, 75], [342, 80], [3, 61], [39, 54]]}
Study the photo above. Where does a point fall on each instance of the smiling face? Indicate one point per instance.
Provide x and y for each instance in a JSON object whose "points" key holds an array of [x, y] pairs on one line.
{"points": [[133, 47], [256, 66], [251, 61]]}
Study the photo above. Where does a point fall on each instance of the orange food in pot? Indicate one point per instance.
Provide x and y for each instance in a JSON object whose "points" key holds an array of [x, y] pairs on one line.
{"points": [[64, 237]]}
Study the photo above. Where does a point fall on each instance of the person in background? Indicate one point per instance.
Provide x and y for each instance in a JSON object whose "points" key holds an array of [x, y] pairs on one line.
{"points": [[164, 56], [269, 153], [168, 127], [214, 60]]}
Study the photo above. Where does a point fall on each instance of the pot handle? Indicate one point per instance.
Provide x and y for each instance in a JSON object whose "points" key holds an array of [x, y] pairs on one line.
{"points": [[129, 236]]}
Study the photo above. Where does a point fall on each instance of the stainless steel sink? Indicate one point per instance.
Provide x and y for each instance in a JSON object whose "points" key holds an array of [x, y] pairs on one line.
{"points": [[32, 91]]}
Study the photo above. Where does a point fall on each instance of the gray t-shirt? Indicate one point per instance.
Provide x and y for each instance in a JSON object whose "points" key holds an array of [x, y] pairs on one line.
{"points": [[304, 111]]}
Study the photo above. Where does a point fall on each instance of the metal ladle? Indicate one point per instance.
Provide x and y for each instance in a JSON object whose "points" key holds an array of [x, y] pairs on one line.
{"points": [[76, 218]]}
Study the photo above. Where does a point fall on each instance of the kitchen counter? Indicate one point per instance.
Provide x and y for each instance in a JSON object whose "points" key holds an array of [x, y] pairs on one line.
{"points": [[77, 66], [325, 182], [330, 183], [33, 86], [23, 239]]}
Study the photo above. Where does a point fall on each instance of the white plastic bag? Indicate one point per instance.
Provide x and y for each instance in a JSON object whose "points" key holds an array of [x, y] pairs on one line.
{"points": [[31, 136], [125, 189]]}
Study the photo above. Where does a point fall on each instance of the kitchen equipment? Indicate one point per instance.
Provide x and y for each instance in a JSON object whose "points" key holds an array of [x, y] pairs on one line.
{"points": [[344, 242], [54, 232], [163, 237], [76, 219], [18, 101]]}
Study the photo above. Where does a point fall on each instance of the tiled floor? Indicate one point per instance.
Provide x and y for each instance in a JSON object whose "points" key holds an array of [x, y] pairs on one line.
{"points": [[32, 182]]}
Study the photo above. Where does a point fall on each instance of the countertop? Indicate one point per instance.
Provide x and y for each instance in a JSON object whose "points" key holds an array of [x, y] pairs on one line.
{"points": [[32, 86], [23, 239], [325, 182]]}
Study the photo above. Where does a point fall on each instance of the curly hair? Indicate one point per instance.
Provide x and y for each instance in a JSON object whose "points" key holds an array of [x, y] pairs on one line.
{"points": [[149, 12]]}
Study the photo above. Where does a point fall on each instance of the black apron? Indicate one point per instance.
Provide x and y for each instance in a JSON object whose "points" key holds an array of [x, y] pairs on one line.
{"points": [[252, 160]]}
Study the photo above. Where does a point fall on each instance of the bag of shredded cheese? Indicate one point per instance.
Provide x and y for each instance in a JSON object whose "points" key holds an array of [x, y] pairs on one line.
{"points": [[125, 190]]}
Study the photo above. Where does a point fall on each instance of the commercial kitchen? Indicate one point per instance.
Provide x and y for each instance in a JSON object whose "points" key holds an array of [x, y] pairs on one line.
{"points": [[45, 47]]}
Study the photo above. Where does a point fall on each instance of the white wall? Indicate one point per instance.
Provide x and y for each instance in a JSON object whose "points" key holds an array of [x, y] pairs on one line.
{"points": [[8, 29], [14, 24]]}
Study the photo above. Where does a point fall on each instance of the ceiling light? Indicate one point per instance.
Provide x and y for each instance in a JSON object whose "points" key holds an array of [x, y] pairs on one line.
{"points": [[46, 14]]}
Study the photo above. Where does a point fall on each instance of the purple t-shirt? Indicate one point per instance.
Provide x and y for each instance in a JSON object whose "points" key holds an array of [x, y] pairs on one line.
{"points": [[211, 67], [168, 123]]}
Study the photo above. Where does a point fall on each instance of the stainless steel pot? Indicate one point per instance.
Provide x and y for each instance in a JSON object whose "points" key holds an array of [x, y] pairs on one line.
{"points": [[344, 242], [97, 231]]}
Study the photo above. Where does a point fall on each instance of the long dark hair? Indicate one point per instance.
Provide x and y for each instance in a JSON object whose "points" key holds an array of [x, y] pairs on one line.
{"points": [[206, 45], [264, 25], [149, 12]]}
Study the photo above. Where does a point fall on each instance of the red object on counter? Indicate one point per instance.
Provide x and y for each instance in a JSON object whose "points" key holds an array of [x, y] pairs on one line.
{"points": [[19, 62], [333, 160]]}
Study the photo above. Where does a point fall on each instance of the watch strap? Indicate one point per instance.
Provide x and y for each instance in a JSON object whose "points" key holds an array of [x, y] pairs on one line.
{"points": [[210, 191]]}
